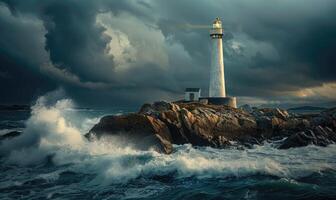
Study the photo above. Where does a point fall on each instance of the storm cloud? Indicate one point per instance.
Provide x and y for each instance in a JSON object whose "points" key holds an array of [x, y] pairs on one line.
{"points": [[108, 52]]}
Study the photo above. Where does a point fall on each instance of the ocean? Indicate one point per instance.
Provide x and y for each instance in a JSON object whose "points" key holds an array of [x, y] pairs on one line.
{"points": [[52, 160]]}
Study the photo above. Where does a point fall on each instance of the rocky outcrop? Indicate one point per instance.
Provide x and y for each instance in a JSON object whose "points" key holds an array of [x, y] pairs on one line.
{"points": [[319, 136], [140, 131], [162, 124], [203, 125]]}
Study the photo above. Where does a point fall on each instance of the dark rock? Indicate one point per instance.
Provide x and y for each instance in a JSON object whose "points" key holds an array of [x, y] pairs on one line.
{"points": [[156, 108], [162, 124], [299, 139], [246, 108], [141, 131], [274, 112], [320, 136]]}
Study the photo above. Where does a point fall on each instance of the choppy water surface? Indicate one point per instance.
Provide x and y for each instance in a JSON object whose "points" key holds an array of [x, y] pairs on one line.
{"points": [[52, 160]]}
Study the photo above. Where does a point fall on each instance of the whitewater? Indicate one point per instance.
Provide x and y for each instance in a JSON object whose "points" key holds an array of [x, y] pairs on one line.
{"points": [[53, 160]]}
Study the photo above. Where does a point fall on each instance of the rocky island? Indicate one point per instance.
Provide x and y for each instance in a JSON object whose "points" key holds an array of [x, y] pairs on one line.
{"points": [[160, 125], [214, 120]]}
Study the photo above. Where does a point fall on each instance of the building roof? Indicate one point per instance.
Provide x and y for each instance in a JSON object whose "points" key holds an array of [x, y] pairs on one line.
{"points": [[193, 89]]}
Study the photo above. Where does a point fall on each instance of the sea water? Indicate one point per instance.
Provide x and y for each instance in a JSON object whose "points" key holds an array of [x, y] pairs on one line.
{"points": [[52, 160]]}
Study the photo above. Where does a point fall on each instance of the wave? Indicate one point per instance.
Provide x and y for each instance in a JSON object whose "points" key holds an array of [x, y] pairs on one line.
{"points": [[6, 131], [51, 132]]}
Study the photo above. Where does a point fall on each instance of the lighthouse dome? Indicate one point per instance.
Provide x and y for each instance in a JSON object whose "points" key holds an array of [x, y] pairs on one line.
{"points": [[217, 23]]}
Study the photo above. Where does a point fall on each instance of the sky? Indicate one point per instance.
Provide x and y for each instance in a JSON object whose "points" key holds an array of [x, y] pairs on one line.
{"points": [[127, 52]]}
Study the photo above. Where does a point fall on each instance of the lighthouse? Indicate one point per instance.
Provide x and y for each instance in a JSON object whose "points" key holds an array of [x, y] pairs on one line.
{"points": [[217, 78], [217, 90]]}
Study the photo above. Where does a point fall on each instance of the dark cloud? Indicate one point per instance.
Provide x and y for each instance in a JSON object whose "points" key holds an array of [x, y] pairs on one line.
{"points": [[128, 51], [300, 33], [19, 85]]}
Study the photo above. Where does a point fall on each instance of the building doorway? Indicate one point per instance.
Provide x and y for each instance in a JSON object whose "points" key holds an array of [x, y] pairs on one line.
{"points": [[192, 97]]}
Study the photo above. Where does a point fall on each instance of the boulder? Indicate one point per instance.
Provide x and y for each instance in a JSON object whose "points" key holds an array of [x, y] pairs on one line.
{"points": [[299, 139], [140, 131], [156, 108], [270, 126], [275, 112], [246, 108], [319, 136]]}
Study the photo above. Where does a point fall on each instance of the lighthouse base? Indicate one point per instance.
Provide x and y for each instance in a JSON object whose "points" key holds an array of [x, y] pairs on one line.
{"points": [[229, 101]]}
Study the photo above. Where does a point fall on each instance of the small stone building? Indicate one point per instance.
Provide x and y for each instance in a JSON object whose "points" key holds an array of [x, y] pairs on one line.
{"points": [[192, 94]]}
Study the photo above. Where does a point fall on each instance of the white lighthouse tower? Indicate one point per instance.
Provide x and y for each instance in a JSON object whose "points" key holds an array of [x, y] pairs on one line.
{"points": [[217, 92], [217, 79]]}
